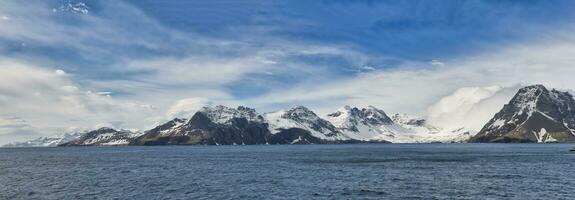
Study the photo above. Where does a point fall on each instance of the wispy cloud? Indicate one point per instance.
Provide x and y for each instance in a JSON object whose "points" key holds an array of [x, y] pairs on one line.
{"points": [[413, 89], [88, 69], [121, 64]]}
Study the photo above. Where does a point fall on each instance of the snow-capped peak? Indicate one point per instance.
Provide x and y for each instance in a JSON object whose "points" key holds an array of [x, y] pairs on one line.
{"points": [[533, 109], [173, 126], [349, 117], [222, 114], [303, 118], [372, 123], [375, 116], [526, 99], [104, 136], [530, 98], [300, 113]]}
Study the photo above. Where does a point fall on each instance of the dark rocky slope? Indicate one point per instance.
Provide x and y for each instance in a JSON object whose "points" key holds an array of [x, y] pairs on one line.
{"points": [[535, 114]]}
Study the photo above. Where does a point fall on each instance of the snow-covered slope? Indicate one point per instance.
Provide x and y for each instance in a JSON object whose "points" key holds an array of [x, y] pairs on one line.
{"points": [[104, 137], [46, 141], [170, 128], [371, 123], [365, 124], [303, 118], [535, 114], [423, 132]]}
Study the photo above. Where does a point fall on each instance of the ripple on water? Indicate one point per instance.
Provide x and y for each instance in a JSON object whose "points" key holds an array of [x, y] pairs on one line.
{"points": [[439, 171]]}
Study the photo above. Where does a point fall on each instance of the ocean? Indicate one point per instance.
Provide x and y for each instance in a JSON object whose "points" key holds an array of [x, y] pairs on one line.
{"points": [[363, 171]]}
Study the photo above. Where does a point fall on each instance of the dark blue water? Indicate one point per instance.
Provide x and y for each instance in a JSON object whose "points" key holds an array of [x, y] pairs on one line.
{"points": [[428, 171]]}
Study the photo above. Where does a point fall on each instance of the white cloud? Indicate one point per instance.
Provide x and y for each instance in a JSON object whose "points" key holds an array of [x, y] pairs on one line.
{"points": [[185, 108], [437, 63], [469, 107], [60, 72], [209, 72], [413, 89], [49, 102]]}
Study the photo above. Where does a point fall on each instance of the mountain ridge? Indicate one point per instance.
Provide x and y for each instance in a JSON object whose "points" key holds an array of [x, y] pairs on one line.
{"points": [[534, 114]]}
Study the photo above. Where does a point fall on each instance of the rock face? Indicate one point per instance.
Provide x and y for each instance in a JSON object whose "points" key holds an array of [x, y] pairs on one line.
{"points": [[228, 126], [103, 137], [535, 114]]}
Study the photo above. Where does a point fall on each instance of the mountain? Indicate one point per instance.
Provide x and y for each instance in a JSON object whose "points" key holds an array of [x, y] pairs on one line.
{"points": [[303, 118], [212, 126], [364, 124], [222, 125], [373, 124], [535, 114], [103, 137], [46, 141]]}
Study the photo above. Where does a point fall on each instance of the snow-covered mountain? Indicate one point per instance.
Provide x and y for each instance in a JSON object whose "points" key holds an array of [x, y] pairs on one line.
{"points": [[535, 114], [103, 137], [299, 125], [46, 141], [222, 125], [373, 124], [211, 125], [364, 124], [303, 118]]}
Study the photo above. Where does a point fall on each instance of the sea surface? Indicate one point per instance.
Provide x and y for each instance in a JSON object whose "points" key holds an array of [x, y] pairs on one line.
{"points": [[367, 171]]}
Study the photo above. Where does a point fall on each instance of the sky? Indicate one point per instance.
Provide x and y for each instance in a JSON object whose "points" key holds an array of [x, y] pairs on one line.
{"points": [[73, 65]]}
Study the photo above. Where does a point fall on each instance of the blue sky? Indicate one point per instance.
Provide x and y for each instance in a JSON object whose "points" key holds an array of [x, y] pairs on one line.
{"points": [[133, 63]]}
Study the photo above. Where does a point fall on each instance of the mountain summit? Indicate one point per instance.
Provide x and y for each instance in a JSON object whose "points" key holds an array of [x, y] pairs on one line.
{"points": [[303, 118], [535, 114]]}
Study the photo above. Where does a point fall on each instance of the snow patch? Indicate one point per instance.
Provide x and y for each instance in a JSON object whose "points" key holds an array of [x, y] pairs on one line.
{"points": [[541, 135], [299, 139], [498, 123]]}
